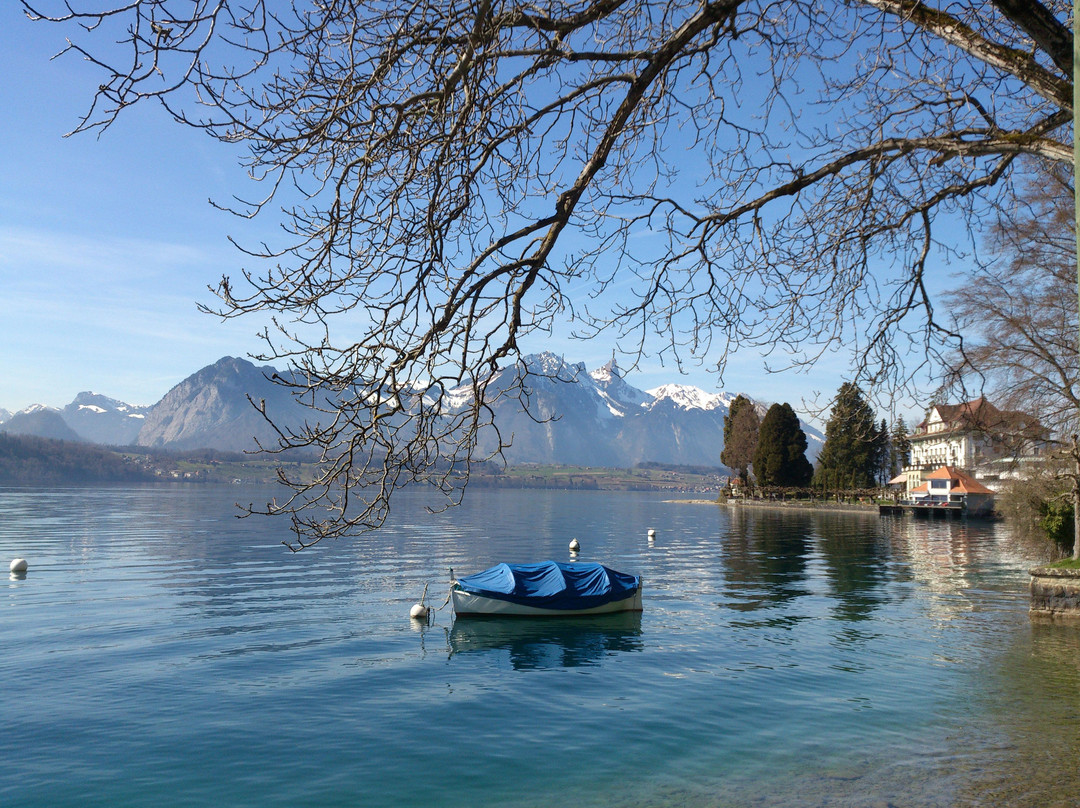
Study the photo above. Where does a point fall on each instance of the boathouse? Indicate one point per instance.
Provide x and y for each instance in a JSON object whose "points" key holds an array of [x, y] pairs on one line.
{"points": [[949, 490]]}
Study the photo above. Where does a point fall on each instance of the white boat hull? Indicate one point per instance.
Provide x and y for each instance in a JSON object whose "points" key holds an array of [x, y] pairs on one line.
{"points": [[468, 604]]}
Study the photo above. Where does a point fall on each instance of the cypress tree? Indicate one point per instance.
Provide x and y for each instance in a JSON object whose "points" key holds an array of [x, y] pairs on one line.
{"points": [[882, 453], [780, 458], [741, 427]]}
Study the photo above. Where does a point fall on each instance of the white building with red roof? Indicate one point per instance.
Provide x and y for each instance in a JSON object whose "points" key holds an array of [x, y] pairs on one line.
{"points": [[974, 436], [951, 486]]}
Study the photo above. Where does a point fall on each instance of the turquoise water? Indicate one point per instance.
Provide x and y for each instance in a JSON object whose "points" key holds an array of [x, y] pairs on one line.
{"points": [[162, 652]]}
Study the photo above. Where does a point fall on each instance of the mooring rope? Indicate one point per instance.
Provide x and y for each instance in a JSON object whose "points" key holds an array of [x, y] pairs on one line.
{"points": [[449, 595]]}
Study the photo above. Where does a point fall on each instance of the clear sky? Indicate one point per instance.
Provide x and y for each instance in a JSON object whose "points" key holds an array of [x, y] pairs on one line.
{"points": [[108, 243]]}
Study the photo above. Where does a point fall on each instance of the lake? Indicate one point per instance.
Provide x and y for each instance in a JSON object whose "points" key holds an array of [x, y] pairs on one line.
{"points": [[162, 652]]}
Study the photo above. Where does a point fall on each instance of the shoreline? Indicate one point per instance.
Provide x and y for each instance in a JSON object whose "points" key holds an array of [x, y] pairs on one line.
{"points": [[827, 507]]}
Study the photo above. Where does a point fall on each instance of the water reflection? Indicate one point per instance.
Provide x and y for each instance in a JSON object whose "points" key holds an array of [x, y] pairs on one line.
{"points": [[765, 559], [543, 643], [854, 661], [855, 563]]}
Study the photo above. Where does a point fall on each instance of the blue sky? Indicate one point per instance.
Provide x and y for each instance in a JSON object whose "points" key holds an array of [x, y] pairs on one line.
{"points": [[108, 243]]}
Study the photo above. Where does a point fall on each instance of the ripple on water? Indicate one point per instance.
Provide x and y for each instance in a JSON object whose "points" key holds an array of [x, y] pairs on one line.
{"points": [[167, 652]]}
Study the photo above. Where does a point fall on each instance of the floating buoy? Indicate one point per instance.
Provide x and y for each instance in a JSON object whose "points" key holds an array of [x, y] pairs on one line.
{"points": [[574, 546], [18, 565], [419, 611], [652, 534]]}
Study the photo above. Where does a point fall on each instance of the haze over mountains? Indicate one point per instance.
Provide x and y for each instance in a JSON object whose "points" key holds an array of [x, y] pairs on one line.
{"points": [[577, 417]]}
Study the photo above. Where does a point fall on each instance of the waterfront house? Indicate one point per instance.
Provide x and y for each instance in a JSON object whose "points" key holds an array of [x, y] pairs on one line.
{"points": [[951, 486], [987, 442]]}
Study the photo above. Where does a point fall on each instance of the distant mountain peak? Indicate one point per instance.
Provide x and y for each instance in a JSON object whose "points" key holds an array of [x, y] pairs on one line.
{"points": [[575, 417], [41, 421], [608, 370], [104, 420], [610, 382], [36, 408], [689, 397], [548, 364], [211, 409]]}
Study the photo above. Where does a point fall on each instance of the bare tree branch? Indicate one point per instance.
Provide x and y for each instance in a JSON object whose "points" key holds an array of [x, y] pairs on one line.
{"points": [[454, 178]]}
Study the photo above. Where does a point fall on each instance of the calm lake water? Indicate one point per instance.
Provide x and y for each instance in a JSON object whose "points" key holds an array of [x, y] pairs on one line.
{"points": [[161, 652]]}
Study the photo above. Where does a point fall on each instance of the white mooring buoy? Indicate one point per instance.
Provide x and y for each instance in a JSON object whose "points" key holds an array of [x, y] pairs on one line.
{"points": [[419, 611], [652, 534], [18, 565], [574, 546]]}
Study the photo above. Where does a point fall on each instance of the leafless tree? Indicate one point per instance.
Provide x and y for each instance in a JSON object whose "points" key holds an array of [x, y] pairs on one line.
{"points": [[456, 176], [1019, 312], [1018, 309]]}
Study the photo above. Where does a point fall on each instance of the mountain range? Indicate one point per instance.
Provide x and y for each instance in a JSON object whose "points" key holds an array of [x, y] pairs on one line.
{"points": [[576, 417]]}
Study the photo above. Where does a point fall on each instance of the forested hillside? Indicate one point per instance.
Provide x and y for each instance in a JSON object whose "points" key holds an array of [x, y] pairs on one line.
{"points": [[26, 459]]}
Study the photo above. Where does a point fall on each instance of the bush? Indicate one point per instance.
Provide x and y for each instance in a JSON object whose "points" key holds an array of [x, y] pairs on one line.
{"points": [[1056, 518]]}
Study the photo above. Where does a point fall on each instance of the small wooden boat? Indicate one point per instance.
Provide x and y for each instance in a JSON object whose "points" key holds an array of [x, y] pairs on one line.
{"points": [[549, 588]]}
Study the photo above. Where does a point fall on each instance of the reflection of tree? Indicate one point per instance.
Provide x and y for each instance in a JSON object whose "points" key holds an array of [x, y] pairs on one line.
{"points": [[855, 561], [765, 558]]}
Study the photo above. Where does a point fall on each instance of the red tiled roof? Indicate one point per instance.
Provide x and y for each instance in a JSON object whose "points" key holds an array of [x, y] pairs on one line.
{"points": [[979, 415], [943, 473], [961, 482]]}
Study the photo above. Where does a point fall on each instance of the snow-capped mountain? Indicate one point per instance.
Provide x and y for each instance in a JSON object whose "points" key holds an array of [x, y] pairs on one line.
{"points": [[598, 419], [575, 416], [41, 421], [692, 398], [90, 418], [609, 381], [100, 419]]}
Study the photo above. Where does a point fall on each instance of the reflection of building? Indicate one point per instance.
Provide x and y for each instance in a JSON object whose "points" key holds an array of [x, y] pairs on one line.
{"points": [[950, 486], [975, 436]]}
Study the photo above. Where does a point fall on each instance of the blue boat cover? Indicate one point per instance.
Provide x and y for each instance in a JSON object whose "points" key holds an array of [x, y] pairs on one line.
{"points": [[552, 585]]}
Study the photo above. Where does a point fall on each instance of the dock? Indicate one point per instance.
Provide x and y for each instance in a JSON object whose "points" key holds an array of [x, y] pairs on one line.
{"points": [[943, 510]]}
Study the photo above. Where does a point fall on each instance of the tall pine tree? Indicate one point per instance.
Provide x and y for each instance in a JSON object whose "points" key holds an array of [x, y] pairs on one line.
{"points": [[882, 453], [901, 447], [741, 426], [848, 456], [780, 458]]}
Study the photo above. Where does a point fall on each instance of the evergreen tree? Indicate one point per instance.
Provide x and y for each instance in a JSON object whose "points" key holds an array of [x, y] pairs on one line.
{"points": [[780, 458], [847, 458], [882, 453], [901, 447], [741, 427]]}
